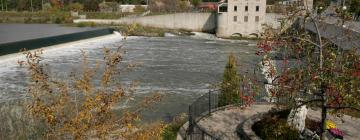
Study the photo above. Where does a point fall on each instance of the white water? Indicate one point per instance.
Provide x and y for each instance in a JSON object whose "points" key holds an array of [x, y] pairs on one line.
{"points": [[13, 77], [213, 38]]}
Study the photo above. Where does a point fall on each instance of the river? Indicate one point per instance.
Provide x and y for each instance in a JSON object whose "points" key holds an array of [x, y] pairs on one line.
{"points": [[181, 68]]}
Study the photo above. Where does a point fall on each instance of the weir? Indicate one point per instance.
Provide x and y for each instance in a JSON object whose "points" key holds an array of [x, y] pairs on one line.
{"points": [[18, 37]]}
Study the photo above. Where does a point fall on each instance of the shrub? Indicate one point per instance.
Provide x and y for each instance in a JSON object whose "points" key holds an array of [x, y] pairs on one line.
{"points": [[139, 9], [28, 20], [274, 127], [170, 131], [76, 7], [86, 24], [80, 106], [58, 20], [231, 83]]}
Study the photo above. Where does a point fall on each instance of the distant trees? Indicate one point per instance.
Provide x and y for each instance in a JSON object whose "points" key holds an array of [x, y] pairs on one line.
{"points": [[169, 5], [75, 7], [195, 2], [93, 5]]}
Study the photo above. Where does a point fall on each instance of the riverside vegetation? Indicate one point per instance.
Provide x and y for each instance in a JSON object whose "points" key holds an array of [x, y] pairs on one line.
{"points": [[237, 89], [81, 106], [58, 17]]}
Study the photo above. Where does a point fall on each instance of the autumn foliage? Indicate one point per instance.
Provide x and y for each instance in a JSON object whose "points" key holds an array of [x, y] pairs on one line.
{"points": [[311, 69], [81, 106]]}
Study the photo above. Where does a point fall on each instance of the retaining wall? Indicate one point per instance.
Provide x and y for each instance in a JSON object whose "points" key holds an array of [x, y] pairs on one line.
{"points": [[205, 22], [14, 47]]}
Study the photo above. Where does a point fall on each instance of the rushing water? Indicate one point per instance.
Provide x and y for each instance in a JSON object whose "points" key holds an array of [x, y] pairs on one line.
{"points": [[181, 68]]}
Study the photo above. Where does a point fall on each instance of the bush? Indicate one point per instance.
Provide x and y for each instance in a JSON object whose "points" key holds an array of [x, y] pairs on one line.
{"points": [[80, 106], [57, 20], [86, 24], [139, 9], [171, 130], [274, 127], [75, 7], [28, 20], [38, 17], [231, 84], [103, 15]]}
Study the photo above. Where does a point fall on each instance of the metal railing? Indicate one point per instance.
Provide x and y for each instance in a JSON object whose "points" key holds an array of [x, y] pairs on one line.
{"points": [[204, 106]]}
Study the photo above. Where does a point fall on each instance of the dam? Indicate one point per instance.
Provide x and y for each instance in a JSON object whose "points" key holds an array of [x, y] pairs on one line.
{"points": [[14, 37]]}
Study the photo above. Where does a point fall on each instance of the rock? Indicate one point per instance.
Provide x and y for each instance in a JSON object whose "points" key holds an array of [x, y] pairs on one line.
{"points": [[297, 118]]}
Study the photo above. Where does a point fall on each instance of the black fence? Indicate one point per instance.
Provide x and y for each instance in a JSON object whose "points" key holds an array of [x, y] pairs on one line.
{"points": [[203, 107]]}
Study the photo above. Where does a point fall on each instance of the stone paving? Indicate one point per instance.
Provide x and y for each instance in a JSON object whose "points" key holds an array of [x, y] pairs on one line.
{"points": [[223, 123], [349, 125]]}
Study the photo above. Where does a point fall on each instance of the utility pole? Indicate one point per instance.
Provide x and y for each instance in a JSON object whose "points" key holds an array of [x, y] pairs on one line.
{"points": [[2, 5], [31, 4]]}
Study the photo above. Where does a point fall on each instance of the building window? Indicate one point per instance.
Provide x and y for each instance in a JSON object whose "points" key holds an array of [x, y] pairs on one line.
{"points": [[246, 18], [223, 8], [257, 8], [235, 18], [256, 18], [246, 8], [235, 8]]}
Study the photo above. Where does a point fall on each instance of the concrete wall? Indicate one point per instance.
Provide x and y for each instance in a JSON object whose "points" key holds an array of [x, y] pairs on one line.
{"points": [[190, 21], [130, 8]]}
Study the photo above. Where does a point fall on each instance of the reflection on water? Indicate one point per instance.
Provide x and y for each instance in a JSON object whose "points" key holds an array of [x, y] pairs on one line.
{"points": [[182, 68]]}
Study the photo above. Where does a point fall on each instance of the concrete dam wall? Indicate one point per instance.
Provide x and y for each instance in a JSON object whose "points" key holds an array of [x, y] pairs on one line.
{"points": [[205, 22], [14, 37]]}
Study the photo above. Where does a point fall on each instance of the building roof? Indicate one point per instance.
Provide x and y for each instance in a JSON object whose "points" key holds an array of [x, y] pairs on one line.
{"points": [[209, 5]]}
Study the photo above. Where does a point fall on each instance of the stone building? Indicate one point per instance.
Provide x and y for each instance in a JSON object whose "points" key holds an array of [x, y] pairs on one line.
{"points": [[241, 18]]}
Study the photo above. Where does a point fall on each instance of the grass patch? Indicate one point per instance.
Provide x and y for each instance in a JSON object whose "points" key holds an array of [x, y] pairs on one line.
{"points": [[103, 15], [86, 24], [57, 17], [171, 130]]}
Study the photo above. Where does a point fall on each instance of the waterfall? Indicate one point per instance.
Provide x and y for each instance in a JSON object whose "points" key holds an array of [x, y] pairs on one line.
{"points": [[201, 35]]}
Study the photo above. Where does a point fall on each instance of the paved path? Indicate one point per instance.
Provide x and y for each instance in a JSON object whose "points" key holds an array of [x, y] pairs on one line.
{"points": [[223, 123], [350, 126]]}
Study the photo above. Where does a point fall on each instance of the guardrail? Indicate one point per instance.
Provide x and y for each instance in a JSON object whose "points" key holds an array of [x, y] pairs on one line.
{"points": [[214, 101], [201, 107]]}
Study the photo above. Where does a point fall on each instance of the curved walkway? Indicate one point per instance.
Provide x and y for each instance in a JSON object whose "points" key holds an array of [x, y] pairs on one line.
{"points": [[223, 123], [349, 125]]}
